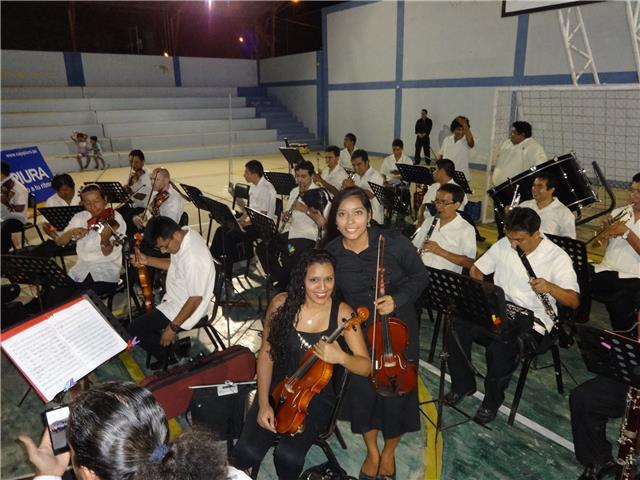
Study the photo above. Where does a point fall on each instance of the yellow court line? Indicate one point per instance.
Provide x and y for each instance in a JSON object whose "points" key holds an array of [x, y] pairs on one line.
{"points": [[433, 449]]}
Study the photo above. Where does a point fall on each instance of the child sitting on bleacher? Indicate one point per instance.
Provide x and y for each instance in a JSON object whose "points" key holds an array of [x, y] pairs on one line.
{"points": [[95, 152], [80, 139]]}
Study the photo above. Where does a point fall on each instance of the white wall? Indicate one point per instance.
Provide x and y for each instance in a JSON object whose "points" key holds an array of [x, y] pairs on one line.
{"points": [[127, 70], [25, 68], [218, 72], [300, 101], [297, 67]]}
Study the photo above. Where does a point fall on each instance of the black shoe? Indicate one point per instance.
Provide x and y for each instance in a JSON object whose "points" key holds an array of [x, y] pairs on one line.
{"points": [[453, 398], [485, 415], [10, 292], [159, 364], [182, 347], [595, 471]]}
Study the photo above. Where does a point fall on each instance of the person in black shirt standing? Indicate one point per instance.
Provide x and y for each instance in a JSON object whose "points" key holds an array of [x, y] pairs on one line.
{"points": [[354, 244], [423, 129]]}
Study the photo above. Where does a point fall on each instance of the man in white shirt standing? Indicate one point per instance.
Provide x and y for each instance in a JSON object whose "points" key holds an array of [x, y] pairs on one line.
{"points": [[349, 147], [389, 170], [518, 153], [365, 174], [457, 146], [189, 286], [331, 178], [618, 275], [556, 218], [556, 279], [15, 200], [451, 243]]}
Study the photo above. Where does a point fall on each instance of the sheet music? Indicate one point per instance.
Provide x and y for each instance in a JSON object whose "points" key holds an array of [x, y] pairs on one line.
{"points": [[67, 345]]}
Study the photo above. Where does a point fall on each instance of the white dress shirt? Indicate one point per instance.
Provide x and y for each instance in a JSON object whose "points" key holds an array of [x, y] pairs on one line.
{"points": [[334, 177], [620, 256], [103, 268], [372, 176], [555, 218], [191, 273], [389, 165], [515, 159], [143, 186], [548, 261], [20, 197], [345, 159], [171, 207], [458, 153], [430, 196], [457, 236], [262, 198], [56, 200], [300, 224]]}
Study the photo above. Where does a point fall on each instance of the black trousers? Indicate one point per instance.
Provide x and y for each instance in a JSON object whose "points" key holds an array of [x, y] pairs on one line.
{"points": [[8, 228], [624, 294], [592, 404], [425, 145], [501, 358], [55, 296], [234, 244], [282, 256], [148, 328]]}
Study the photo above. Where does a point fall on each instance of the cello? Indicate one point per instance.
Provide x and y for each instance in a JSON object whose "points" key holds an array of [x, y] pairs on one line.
{"points": [[291, 397], [143, 276], [391, 373]]}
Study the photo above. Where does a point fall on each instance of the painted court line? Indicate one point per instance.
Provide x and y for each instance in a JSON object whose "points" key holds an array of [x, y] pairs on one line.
{"points": [[527, 422]]}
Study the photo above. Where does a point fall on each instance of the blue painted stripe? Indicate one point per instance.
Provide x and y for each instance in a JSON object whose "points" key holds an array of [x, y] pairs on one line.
{"points": [[176, 71], [289, 83], [74, 69], [521, 46], [397, 118], [325, 79], [319, 86], [363, 86]]}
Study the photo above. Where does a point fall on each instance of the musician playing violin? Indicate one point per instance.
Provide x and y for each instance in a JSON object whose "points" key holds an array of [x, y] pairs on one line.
{"points": [[165, 201], [14, 199], [354, 244], [296, 321], [139, 186]]}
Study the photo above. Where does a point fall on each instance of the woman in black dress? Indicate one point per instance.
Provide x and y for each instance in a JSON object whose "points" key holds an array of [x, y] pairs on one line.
{"points": [[296, 321], [355, 249]]}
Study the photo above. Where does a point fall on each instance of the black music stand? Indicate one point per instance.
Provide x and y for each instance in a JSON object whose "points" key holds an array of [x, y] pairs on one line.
{"points": [[195, 195], [60, 217], [390, 201], [282, 182], [39, 271], [268, 233], [292, 155], [415, 174], [482, 303], [462, 181], [610, 354], [114, 191]]}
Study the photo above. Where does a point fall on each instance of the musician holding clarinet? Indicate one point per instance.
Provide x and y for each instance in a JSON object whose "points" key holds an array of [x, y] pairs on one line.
{"points": [[354, 243], [535, 274]]}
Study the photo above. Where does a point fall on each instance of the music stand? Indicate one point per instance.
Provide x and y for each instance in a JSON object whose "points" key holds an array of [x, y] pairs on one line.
{"points": [[462, 181], [390, 201], [415, 174], [60, 217], [114, 191], [195, 195], [267, 232], [610, 354], [281, 181], [292, 155]]}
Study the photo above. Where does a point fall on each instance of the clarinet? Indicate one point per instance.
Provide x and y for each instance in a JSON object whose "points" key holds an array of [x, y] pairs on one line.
{"points": [[287, 215], [429, 233], [544, 298]]}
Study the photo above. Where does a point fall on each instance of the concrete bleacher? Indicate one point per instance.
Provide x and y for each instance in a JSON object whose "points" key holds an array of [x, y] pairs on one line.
{"points": [[170, 124]]}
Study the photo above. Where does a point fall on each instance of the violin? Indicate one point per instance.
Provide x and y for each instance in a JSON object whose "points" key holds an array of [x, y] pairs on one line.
{"points": [[105, 219], [391, 373], [143, 276], [159, 199], [291, 397]]}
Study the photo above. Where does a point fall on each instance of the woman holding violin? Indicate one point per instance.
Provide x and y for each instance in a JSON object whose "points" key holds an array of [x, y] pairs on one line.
{"points": [[299, 321], [389, 407]]}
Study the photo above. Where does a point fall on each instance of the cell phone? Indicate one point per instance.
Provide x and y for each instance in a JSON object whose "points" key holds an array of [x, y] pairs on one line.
{"points": [[56, 421]]}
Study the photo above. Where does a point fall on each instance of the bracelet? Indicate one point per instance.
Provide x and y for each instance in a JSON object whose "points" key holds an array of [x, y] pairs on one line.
{"points": [[174, 328]]}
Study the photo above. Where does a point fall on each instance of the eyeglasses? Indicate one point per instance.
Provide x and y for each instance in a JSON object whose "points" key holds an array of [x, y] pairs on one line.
{"points": [[442, 202]]}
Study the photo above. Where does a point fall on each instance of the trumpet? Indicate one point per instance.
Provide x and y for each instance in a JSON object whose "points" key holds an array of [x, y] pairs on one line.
{"points": [[601, 234]]}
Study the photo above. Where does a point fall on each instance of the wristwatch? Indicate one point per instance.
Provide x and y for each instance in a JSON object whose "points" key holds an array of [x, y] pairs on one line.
{"points": [[174, 328]]}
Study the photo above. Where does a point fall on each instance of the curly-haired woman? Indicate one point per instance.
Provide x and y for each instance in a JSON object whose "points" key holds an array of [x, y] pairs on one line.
{"points": [[296, 321]]}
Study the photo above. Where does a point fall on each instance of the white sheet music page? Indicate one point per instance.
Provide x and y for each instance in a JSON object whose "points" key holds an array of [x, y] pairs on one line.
{"points": [[67, 343]]}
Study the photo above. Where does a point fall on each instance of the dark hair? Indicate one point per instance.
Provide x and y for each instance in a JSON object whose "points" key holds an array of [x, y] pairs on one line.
{"points": [[351, 137], [397, 143], [93, 137], [447, 165], [5, 168], [359, 153], [333, 149], [636, 178], [455, 190], [114, 428], [523, 128], [92, 187], [305, 165], [285, 318], [137, 153], [456, 124], [160, 227], [551, 179], [254, 166], [62, 180], [522, 219], [424, 110], [332, 227]]}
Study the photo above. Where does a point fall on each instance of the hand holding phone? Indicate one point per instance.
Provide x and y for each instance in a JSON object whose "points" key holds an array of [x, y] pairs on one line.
{"points": [[42, 456]]}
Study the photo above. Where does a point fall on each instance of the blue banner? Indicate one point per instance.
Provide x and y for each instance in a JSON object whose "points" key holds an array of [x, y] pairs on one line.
{"points": [[29, 168]]}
